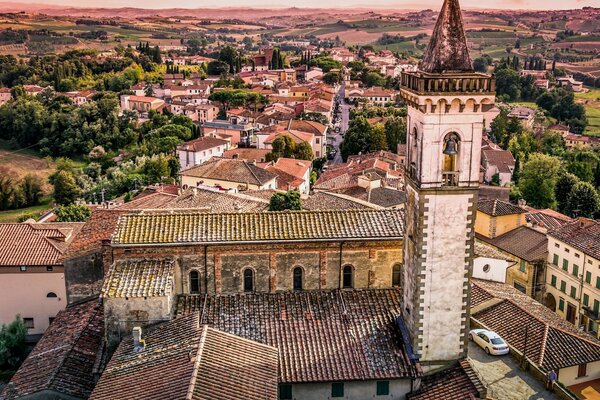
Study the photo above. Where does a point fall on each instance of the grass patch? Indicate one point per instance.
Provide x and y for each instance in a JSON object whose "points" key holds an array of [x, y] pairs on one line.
{"points": [[591, 102], [13, 215]]}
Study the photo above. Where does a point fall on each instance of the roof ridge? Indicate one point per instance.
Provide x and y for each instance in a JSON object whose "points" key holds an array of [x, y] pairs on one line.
{"points": [[192, 385], [543, 347]]}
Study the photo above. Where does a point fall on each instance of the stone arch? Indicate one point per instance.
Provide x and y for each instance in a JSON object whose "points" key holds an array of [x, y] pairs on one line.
{"points": [[248, 279], [441, 106], [298, 277], [470, 105], [550, 301], [397, 276], [455, 105]]}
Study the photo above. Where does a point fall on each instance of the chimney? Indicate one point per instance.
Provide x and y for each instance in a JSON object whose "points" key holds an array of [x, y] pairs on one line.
{"points": [[138, 343]]}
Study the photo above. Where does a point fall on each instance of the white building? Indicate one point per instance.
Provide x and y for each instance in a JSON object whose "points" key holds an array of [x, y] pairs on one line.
{"points": [[198, 151]]}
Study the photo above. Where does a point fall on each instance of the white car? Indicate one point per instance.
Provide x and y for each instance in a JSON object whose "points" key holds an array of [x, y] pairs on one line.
{"points": [[490, 341]]}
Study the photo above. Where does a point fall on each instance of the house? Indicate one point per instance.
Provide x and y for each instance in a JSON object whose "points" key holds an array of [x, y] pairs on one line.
{"points": [[313, 73], [572, 277], [574, 141], [228, 174], [546, 219], [503, 226], [141, 104], [525, 115], [500, 162], [197, 362], [236, 133], [564, 130], [570, 83], [374, 96], [198, 151], [490, 264], [249, 154], [5, 95], [64, 364], [342, 55], [548, 341], [459, 381], [30, 257], [291, 174], [81, 97]]}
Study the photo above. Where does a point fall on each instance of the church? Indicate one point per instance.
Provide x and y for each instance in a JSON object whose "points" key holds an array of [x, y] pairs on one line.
{"points": [[347, 304]]}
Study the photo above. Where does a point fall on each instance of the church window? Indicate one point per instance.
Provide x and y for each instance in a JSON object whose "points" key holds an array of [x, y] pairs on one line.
{"points": [[347, 281], [397, 275], [297, 278], [194, 282], [248, 280]]}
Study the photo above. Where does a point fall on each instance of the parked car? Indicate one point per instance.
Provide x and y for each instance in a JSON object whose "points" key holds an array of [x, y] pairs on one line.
{"points": [[490, 341]]}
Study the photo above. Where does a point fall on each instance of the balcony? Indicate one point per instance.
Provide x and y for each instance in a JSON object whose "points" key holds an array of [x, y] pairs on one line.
{"points": [[590, 313], [450, 178]]}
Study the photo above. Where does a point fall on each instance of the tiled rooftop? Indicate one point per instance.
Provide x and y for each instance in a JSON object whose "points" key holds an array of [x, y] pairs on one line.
{"points": [[139, 278], [456, 383], [322, 336], [35, 244], [552, 342], [66, 358], [171, 227], [524, 242], [498, 208], [230, 170], [583, 234], [184, 360]]}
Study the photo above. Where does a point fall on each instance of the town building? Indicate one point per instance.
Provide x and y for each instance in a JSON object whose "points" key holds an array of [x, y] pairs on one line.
{"points": [[141, 104], [572, 277], [30, 257], [525, 115], [228, 174], [498, 162], [570, 83], [239, 134], [198, 151], [291, 174]]}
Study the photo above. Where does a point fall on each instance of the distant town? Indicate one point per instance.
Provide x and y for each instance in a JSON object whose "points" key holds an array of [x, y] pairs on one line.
{"points": [[299, 204]]}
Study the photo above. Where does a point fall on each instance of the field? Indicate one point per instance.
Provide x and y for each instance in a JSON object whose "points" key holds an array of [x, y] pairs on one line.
{"points": [[18, 164], [591, 102]]}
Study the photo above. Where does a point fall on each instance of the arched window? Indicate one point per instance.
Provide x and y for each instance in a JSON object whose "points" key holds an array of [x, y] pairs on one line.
{"points": [[248, 280], [51, 294], [450, 163], [297, 278], [347, 277], [397, 275], [194, 282]]}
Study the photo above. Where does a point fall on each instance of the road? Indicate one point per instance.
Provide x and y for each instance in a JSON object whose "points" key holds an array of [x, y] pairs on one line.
{"points": [[337, 138], [504, 379]]}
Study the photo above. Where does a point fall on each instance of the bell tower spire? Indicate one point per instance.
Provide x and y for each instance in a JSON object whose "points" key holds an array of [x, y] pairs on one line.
{"points": [[447, 49], [447, 102]]}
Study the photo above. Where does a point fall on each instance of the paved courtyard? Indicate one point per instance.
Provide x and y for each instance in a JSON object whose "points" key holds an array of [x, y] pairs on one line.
{"points": [[504, 379]]}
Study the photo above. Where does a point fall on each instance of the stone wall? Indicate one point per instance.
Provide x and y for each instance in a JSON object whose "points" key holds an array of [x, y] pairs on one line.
{"points": [[220, 267], [83, 276]]}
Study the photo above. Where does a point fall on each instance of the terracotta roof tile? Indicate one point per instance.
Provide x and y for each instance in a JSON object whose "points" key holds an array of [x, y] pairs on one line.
{"points": [[583, 234], [65, 359], [552, 343], [498, 208], [230, 170], [523, 242], [182, 359], [139, 278], [322, 336], [202, 143], [456, 383], [197, 227], [36, 243]]}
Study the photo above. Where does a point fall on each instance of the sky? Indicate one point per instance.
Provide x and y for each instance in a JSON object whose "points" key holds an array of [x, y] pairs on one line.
{"points": [[396, 4]]}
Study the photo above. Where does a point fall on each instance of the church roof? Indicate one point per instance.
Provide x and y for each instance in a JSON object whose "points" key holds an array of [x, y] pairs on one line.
{"points": [[447, 49], [181, 227]]}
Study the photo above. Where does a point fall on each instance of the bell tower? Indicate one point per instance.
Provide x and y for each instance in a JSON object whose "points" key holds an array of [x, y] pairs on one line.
{"points": [[446, 102]]}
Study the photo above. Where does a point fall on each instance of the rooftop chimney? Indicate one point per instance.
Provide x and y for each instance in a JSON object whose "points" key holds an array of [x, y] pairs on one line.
{"points": [[138, 343]]}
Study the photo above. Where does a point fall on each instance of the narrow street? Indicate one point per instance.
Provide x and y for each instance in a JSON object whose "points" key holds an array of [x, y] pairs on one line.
{"points": [[504, 379], [337, 138]]}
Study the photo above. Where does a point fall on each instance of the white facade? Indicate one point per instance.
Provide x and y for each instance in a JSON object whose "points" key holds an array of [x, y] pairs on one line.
{"points": [[490, 269]]}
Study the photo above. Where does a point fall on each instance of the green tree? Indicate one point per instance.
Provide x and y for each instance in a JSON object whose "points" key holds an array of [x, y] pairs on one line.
{"points": [[7, 192], [157, 168], [553, 144], [395, 132], [583, 201], [66, 190], [564, 185], [31, 190], [285, 201], [538, 180], [282, 146], [508, 84], [73, 213], [377, 139], [12, 344], [303, 151]]}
